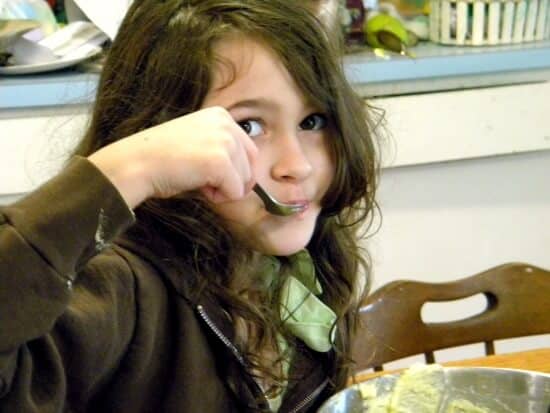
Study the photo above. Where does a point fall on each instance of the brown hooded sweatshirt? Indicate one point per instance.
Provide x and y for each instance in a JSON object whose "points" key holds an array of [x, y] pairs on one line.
{"points": [[92, 323]]}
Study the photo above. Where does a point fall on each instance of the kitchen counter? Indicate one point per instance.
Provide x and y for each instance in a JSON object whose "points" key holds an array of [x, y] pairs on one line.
{"points": [[439, 68], [435, 68]]}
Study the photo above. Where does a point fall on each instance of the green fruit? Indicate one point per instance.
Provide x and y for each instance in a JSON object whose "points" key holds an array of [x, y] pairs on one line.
{"points": [[384, 23]]}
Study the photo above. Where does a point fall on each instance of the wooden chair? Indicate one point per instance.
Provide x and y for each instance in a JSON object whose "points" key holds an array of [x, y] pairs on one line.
{"points": [[518, 304]]}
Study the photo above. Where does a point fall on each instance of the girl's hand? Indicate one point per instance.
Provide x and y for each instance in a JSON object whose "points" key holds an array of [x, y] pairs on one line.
{"points": [[204, 150]]}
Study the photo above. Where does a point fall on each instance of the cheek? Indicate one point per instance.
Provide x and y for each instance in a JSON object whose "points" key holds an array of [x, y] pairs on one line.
{"points": [[330, 165], [325, 163], [239, 214]]}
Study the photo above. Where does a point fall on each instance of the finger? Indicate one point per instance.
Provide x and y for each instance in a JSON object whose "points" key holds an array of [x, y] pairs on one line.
{"points": [[243, 165], [251, 154], [249, 185], [229, 188], [248, 143], [212, 194]]}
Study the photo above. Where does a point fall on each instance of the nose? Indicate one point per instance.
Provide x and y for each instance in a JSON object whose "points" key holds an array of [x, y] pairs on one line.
{"points": [[291, 162]]}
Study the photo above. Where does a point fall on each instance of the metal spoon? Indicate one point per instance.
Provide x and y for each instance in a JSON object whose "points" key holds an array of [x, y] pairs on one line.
{"points": [[275, 207]]}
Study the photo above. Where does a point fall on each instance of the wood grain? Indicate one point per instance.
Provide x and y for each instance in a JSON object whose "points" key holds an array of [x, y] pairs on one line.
{"points": [[534, 360]]}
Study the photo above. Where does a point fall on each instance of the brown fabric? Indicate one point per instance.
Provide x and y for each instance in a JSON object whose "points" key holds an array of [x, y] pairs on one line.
{"points": [[90, 327]]}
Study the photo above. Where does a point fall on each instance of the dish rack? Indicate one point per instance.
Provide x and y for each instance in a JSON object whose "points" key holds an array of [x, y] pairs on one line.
{"points": [[489, 22]]}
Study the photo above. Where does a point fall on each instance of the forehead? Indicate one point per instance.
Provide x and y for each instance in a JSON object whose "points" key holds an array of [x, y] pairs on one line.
{"points": [[244, 66]]}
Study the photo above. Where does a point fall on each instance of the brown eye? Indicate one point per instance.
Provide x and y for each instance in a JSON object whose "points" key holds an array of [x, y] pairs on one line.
{"points": [[251, 127], [315, 121]]}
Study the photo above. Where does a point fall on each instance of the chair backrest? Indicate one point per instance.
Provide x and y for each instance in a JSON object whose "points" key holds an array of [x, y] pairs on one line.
{"points": [[518, 304]]}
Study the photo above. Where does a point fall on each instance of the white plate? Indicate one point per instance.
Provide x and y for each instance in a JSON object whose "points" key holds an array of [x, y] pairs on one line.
{"points": [[49, 66]]}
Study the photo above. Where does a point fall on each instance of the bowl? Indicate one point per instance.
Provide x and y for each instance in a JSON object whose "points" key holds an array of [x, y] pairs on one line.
{"points": [[459, 390]]}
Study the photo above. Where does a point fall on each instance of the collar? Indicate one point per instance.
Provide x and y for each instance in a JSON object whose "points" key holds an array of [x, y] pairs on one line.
{"points": [[303, 314]]}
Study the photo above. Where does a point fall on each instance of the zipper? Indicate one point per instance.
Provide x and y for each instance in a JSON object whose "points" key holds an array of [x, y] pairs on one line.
{"points": [[225, 340], [310, 398], [220, 335], [229, 344]]}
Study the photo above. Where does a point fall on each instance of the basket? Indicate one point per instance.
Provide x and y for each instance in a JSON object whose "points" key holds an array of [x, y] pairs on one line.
{"points": [[489, 22]]}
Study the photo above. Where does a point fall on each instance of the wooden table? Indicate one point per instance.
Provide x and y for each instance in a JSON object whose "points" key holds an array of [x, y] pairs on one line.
{"points": [[535, 360]]}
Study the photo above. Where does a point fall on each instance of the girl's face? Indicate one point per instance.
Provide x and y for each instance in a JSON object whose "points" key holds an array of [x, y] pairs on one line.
{"points": [[294, 163]]}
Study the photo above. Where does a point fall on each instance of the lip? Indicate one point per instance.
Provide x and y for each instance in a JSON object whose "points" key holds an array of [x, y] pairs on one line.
{"points": [[302, 214], [300, 202], [304, 203], [292, 197]]}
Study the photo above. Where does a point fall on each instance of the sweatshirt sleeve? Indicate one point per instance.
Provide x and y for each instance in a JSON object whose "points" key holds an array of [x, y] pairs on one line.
{"points": [[45, 240]]}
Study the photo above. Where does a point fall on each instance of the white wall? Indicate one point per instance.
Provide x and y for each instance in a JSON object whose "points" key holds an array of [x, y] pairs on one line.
{"points": [[450, 220], [447, 220]]}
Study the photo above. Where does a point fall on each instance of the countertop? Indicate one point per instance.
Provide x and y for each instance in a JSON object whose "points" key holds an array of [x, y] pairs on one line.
{"points": [[434, 68]]}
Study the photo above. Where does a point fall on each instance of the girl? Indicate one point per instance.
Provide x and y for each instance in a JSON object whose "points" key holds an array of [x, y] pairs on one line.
{"points": [[202, 301]]}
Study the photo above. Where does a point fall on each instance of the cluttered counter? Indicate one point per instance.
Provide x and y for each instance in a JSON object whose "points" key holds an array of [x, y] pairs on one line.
{"points": [[434, 68]]}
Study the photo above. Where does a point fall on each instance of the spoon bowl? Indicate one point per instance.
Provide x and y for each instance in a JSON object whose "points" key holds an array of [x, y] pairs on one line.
{"points": [[275, 207]]}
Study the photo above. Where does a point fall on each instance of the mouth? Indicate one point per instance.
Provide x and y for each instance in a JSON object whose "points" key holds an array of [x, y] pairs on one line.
{"points": [[303, 203], [294, 208], [303, 206]]}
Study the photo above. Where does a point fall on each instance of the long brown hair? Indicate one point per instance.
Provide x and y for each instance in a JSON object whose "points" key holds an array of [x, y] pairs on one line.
{"points": [[160, 67]]}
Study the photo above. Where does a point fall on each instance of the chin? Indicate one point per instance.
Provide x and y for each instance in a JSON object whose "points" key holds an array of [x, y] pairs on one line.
{"points": [[269, 234], [281, 246], [283, 239], [284, 251]]}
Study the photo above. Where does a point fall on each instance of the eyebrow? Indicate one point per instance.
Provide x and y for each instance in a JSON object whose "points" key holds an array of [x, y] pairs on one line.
{"points": [[260, 103]]}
